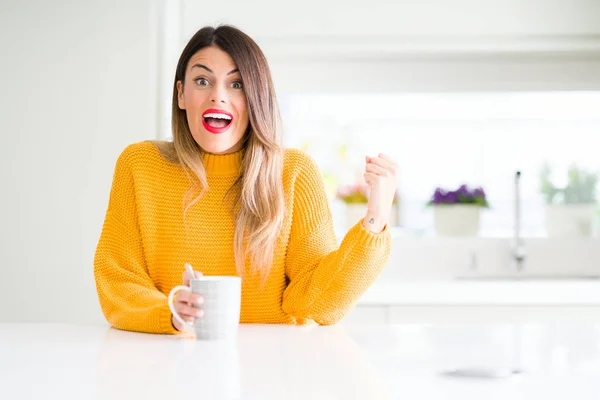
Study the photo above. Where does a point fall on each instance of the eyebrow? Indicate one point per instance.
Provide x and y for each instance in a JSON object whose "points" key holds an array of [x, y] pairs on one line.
{"points": [[211, 71]]}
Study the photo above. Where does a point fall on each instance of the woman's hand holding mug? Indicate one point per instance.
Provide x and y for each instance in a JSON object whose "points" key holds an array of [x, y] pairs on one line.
{"points": [[187, 304], [208, 305]]}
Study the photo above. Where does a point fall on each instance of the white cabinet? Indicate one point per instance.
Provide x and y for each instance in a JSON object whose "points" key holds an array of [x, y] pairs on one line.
{"points": [[443, 259], [469, 314], [477, 301]]}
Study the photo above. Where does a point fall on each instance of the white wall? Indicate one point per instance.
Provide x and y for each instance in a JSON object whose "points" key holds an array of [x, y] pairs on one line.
{"points": [[379, 46], [401, 18], [78, 85]]}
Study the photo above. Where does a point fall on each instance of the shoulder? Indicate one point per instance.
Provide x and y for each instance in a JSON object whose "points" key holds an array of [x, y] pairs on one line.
{"points": [[297, 162], [142, 154], [301, 171], [143, 161], [145, 149]]}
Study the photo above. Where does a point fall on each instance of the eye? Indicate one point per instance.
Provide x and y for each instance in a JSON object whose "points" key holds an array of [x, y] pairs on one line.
{"points": [[201, 82], [237, 85]]}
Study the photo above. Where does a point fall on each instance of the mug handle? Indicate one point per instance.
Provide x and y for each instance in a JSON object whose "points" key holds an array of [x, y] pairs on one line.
{"points": [[172, 307]]}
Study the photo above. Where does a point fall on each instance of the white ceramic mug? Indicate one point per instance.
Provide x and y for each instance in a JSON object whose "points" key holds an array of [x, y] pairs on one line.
{"points": [[222, 301]]}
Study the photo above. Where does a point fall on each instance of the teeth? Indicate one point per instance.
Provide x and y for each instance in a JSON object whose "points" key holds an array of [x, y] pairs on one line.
{"points": [[217, 115]]}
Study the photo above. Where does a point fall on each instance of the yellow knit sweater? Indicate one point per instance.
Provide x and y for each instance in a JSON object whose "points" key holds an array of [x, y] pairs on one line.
{"points": [[144, 244]]}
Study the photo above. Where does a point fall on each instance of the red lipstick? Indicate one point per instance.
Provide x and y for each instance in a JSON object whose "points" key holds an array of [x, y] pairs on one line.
{"points": [[221, 118]]}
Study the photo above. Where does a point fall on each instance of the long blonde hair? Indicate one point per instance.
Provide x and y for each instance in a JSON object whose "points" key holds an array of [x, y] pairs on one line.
{"points": [[258, 205]]}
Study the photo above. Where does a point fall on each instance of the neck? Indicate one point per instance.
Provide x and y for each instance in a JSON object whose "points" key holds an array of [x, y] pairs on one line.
{"points": [[223, 164]]}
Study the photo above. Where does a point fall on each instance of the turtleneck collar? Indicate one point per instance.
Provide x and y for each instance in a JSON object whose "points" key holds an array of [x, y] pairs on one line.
{"points": [[223, 164]]}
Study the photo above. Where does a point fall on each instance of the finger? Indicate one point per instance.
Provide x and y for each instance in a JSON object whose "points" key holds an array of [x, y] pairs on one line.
{"points": [[187, 318], [377, 170], [190, 298], [186, 311], [388, 159], [371, 178], [186, 277], [382, 163], [181, 327], [374, 182]]}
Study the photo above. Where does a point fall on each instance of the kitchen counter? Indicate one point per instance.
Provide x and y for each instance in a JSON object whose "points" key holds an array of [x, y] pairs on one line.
{"points": [[484, 292], [60, 361]]}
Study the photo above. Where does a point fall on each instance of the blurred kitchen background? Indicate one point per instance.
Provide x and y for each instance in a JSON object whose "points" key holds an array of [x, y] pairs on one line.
{"points": [[500, 96]]}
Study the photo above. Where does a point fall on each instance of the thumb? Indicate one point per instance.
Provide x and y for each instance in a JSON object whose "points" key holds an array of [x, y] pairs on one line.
{"points": [[186, 277], [367, 178]]}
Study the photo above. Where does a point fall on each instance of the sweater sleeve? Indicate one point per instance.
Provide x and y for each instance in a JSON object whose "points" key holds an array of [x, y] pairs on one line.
{"points": [[128, 297], [325, 281]]}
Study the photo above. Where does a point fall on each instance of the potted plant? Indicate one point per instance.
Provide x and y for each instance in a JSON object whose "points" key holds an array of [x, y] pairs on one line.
{"points": [[356, 198], [570, 209], [456, 212]]}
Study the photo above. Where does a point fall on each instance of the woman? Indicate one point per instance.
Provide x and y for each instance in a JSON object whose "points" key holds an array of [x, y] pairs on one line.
{"points": [[227, 198]]}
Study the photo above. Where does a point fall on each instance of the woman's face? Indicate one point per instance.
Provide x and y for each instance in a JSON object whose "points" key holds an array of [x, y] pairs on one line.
{"points": [[214, 100]]}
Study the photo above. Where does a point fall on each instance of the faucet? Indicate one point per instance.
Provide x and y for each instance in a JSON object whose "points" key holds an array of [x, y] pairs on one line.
{"points": [[518, 247], [517, 250]]}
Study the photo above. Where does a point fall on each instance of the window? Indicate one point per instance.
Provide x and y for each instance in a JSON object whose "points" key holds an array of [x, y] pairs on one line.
{"points": [[446, 139]]}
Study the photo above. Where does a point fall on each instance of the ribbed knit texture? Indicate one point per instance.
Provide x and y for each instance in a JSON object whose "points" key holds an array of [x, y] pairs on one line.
{"points": [[144, 244]]}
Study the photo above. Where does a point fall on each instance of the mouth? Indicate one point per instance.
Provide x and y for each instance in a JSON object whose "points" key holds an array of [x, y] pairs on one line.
{"points": [[216, 121]]}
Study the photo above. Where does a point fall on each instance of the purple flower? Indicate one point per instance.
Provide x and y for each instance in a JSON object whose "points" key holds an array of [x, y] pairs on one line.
{"points": [[462, 195], [451, 197], [438, 196], [479, 192]]}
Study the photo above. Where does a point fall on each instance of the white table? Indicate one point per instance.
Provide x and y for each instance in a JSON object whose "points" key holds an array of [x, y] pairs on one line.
{"points": [[60, 361]]}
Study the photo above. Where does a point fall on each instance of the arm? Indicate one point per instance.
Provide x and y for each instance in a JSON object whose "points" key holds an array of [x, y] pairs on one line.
{"points": [[326, 281], [127, 295]]}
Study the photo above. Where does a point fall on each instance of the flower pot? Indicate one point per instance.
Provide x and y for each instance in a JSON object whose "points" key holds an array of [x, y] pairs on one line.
{"points": [[456, 219], [569, 220]]}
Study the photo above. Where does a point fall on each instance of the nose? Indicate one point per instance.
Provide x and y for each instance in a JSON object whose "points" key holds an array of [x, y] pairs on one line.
{"points": [[218, 95]]}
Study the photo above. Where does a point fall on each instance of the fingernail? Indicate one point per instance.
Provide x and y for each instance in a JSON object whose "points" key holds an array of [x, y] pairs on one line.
{"points": [[199, 313], [200, 300]]}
